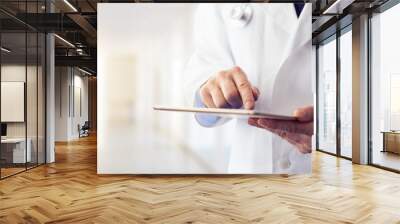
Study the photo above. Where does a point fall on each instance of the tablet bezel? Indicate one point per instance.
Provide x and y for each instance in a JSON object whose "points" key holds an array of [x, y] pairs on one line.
{"points": [[223, 112]]}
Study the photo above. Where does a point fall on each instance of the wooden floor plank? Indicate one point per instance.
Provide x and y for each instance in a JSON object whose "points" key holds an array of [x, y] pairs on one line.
{"points": [[70, 191]]}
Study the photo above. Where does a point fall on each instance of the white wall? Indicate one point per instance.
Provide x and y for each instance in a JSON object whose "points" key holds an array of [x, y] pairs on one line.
{"points": [[12, 73], [79, 117], [62, 81], [69, 82]]}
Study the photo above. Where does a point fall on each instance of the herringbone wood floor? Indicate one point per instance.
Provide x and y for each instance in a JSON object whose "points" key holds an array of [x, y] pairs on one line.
{"points": [[70, 191]]}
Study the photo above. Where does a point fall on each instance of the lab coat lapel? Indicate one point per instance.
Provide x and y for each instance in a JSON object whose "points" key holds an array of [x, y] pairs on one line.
{"points": [[267, 36], [281, 20], [292, 88], [284, 16], [256, 49], [292, 85]]}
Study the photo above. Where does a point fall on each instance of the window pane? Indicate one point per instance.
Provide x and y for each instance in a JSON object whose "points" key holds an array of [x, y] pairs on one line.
{"points": [[32, 88], [22, 90], [14, 153], [41, 98], [327, 97], [31, 99], [386, 88], [345, 94]]}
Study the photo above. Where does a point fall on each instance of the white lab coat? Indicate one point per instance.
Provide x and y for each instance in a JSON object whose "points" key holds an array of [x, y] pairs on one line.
{"points": [[274, 50]]}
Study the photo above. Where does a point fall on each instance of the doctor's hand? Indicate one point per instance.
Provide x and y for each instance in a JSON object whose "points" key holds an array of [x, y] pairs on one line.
{"points": [[298, 132], [229, 89]]}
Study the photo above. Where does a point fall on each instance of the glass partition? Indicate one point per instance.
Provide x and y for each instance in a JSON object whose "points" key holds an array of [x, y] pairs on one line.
{"points": [[13, 109], [41, 107], [32, 95], [33, 70], [23, 91], [385, 89], [327, 96], [346, 93]]}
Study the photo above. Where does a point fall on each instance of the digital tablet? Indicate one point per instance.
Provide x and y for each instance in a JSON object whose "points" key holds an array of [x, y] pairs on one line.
{"points": [[238, 113]]}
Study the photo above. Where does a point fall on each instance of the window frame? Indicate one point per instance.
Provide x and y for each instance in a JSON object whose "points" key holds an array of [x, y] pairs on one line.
{"points": [[378, 10], [334, 37]]}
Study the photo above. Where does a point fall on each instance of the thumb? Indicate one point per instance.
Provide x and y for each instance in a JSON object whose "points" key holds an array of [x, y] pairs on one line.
{"points": [[304, 114]]}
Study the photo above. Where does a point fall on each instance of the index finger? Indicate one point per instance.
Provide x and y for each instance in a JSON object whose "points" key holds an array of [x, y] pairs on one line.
{"points": [[244, 87]]}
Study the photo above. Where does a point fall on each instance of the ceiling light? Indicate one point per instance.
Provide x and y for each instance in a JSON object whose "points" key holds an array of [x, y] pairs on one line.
{"points": [[84, 71], [65, 41], [70, 5], [5, 50]]}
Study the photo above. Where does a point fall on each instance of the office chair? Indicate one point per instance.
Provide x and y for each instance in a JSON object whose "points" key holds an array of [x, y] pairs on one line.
{"points": [[84, 130]]}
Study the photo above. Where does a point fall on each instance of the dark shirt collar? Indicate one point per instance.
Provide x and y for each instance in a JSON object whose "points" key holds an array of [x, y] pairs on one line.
{"points": [[299, 7]]}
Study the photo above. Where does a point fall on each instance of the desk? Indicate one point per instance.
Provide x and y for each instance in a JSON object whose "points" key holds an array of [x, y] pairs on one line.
{"points": [[17, 151], [391, 141]]}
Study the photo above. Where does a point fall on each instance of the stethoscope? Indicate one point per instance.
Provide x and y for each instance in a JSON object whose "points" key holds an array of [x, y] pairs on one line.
{"points": [[241, 15]]}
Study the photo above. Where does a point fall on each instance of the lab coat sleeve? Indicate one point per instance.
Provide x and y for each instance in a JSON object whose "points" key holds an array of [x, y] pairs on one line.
{"points": [[207, 120], [212, 54]]}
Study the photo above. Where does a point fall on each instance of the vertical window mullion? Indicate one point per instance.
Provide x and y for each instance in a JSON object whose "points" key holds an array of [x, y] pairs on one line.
{"points": [[45, 88], [369, 91], [317, 96], [338, 75], [37, 89], [0, 94], [26, 86]]}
